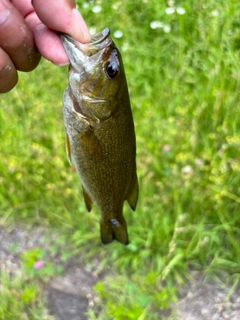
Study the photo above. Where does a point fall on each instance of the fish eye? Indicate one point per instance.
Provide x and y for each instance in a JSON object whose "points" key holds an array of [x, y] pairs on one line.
{"points": [[112, 69]]}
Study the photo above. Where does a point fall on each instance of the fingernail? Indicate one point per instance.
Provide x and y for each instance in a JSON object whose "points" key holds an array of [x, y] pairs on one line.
{"points": [[4, 13], [82, 25], [62, 64]]}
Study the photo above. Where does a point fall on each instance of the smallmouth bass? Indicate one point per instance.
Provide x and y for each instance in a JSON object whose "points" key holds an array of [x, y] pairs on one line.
{"points": [[100, 137]]}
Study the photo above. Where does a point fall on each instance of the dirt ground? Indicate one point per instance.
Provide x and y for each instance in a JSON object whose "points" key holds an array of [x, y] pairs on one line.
{"points": [[69, 296]]}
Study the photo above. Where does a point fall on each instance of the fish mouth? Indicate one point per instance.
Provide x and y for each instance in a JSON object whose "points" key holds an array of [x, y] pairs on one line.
{"points": [[97, 39], [98, 42], [83, 57], [100, 37]]}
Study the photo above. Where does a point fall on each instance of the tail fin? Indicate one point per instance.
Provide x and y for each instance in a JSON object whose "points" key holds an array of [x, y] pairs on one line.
{"points": [[114, 229]]}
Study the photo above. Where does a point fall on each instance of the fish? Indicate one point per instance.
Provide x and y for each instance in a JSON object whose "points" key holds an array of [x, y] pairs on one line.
{"points": [[100, 134]]}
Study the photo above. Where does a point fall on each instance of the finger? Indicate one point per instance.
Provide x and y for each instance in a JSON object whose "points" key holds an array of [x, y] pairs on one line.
{"points": [[24, 6], [8, 73], [16, 38], [47, 41], [62, 16]]}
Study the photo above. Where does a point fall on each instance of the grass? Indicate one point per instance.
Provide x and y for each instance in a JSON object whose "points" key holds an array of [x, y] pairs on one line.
{"points": [[21, 299], [184, 86]]}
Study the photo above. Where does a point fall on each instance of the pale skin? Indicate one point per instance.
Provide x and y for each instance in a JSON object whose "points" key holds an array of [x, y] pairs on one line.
{"points": [[29, 30]]}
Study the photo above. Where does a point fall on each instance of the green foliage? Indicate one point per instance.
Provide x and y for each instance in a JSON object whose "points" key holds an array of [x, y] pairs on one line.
{"points": [[20, 293], [21, 299], [138, 298], [184, 85], [36, 264]]}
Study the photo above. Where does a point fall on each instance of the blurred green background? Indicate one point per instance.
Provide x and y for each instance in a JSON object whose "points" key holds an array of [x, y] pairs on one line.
{"points": [[183, 69]]}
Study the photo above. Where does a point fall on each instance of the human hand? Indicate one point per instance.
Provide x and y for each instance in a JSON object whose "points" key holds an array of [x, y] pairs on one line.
{"points": [[24, 37]]}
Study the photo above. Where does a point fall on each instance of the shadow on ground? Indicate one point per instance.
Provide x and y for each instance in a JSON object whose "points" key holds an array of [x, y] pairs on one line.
{"points": [[69, 296]]}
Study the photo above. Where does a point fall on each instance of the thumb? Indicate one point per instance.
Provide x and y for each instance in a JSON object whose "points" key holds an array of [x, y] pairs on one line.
{"points": [[62, 16]]}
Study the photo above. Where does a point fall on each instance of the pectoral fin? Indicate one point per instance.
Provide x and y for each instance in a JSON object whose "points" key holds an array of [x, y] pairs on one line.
{"points": [[68, 148], [87, 199], [132, 196], [90, 144]]}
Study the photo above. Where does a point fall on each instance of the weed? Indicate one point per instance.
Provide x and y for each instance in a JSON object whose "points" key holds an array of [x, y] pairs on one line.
{"points": [[21, 299]]}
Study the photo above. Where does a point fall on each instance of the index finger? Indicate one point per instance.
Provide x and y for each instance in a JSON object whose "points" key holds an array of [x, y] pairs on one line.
{"points": [[62, 16]]}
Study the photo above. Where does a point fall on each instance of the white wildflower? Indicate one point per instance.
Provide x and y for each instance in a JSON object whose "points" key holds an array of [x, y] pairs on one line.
{"points": [[170, 3], [156, 24], [166, 28], [170, 10], [187, 169], [118, 34], [96, 9], [85, 5], [215, 13], [181, 11]]}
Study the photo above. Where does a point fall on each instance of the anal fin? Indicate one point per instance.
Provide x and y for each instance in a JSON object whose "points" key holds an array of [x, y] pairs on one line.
{"points": [[132, 196]]}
